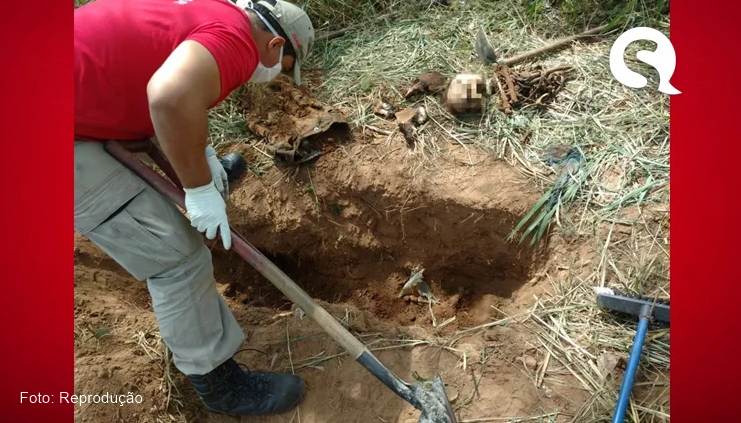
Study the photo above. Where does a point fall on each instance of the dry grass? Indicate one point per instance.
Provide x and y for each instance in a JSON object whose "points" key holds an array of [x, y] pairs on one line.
{"points": [[581, 338]]}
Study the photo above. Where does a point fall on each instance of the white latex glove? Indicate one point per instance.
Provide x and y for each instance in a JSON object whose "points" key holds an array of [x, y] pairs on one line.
{"points": [[218, 174], [207, 211]]}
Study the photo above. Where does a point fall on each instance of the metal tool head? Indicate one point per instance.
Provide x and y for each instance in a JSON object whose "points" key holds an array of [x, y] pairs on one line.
{"points": [[433, 403], [615, 300], [484, 49]]}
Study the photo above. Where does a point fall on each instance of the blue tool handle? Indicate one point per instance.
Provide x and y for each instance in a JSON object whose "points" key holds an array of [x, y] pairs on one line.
{"points": [[630, 371]]}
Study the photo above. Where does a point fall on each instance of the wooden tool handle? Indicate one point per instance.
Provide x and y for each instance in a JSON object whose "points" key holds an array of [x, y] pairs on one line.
{"points": [[248, 252], [553, 46]]}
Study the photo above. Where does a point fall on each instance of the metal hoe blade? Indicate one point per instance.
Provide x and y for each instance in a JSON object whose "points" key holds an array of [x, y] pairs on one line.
{"points": [[435, 405], [483, 48], [632, 305]]}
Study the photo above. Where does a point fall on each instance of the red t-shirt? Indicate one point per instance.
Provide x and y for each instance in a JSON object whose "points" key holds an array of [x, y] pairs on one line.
{"points": [[120, 44]]}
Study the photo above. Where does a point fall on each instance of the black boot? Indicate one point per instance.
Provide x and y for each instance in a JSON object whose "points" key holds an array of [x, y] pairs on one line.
{"points": [[230, 390], [234, 165]]}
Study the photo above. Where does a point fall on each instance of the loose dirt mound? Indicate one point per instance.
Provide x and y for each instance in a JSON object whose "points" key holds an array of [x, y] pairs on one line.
{"points": [[292, 121], [349, 228]]}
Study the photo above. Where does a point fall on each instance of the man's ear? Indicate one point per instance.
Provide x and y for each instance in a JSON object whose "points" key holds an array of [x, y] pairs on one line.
{"points": [[277, 42]]}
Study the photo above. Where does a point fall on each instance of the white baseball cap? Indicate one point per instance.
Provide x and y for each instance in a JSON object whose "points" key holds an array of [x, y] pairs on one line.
{"points": [[293, 21]]}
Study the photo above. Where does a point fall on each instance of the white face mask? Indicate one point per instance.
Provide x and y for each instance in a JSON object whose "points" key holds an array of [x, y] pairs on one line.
{"points": [[265, 74]]}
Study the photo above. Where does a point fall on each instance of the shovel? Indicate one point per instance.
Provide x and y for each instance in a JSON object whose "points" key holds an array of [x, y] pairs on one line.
{"points": [[433, 403]]}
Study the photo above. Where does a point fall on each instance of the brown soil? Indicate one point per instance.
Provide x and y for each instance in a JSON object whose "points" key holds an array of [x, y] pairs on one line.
{"points": [[349, 229], [372, 225]]}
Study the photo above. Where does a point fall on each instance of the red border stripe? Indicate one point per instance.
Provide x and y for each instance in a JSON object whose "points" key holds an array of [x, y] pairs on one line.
{"points": [[705, 231], [36, 208]]}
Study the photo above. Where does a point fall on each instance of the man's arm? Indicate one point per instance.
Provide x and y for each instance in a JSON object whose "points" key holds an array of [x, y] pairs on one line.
{"points": [[179, 94]]}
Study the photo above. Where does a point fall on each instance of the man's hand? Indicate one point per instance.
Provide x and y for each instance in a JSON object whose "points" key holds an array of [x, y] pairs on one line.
{"points": [[208, 212], [218, 174]]}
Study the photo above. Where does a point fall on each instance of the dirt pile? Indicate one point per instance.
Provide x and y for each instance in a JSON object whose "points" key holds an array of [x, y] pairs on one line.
{"points": [[293, 123]]}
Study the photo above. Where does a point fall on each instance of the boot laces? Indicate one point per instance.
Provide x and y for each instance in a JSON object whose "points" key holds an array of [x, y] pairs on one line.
{"points": [[245, 384]]}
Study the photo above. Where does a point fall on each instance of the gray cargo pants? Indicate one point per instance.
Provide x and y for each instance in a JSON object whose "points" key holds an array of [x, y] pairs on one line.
{"points": [[149, 237]]}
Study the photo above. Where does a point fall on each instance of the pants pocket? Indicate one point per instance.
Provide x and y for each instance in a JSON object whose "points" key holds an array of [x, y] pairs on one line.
{"points": [[137, 249], [128, 219], [102, 186]]}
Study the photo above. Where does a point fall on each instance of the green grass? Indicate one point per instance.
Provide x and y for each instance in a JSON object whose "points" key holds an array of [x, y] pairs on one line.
{"points": [[328, 15]]}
